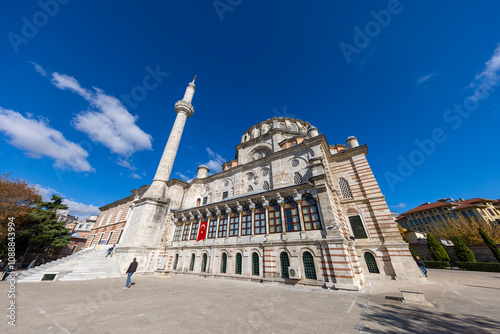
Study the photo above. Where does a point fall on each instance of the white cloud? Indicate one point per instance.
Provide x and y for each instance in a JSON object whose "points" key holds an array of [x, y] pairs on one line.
{"points": [[184, 177], [110, 123], [489, 77], [425, 78], [215, 162], [39, 69], [38, 139], [400, 205], [75, 208]]}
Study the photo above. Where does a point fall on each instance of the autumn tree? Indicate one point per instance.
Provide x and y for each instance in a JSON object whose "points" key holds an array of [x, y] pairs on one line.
{"points": [[467, 230], [17, 198]]}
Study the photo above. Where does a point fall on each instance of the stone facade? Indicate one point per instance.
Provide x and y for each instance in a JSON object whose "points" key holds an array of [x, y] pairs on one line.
{"points": [[289, 208]]}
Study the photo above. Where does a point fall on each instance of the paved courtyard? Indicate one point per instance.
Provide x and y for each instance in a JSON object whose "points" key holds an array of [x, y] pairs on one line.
{"points": [[462, 302]]}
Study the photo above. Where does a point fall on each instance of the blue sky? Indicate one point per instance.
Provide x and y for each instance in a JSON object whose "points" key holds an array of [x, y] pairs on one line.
{"points": [[88, 89]]}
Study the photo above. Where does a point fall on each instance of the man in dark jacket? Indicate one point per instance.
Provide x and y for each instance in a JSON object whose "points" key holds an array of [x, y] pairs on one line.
{"points": [[131, 269], [421, 264]]}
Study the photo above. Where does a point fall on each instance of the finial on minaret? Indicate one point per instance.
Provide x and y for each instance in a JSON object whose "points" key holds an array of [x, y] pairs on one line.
{"points": [[188, 96], [194, 78]]}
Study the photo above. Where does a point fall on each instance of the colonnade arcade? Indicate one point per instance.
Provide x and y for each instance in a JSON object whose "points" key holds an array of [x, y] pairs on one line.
{"points": [[276, 214]]}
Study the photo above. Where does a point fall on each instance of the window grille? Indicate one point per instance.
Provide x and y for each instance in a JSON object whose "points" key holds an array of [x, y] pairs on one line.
{"points": [[250, 188], [255, 264], [309, 269], [225, 194], [234, 225], [344, 188], [177, 233], [191, 265], [249, 176], [226, 183], [238, 264], [246, 222], [291, 215], [371, 263], [275, 225], [185, 234], [194, 231], [295, 163], [204, 263], [310, 213], [293, 143], [297, 178], [265, 172], [223, 227], [260, 220], [223, 266], [265, 185], [175, 262], [357, 227], [285, 263]]}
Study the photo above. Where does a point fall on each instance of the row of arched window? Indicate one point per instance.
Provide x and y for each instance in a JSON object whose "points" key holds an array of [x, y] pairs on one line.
{"points": [[292, 217], [307, 262]]}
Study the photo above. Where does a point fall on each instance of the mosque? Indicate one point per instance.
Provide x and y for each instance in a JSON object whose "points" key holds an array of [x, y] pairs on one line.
{"points": [[289, 208]]}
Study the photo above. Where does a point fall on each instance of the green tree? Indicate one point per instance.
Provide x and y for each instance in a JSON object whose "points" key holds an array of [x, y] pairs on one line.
{"points": [[438, 249], [491, 245], [44, 226], [462, 251]]}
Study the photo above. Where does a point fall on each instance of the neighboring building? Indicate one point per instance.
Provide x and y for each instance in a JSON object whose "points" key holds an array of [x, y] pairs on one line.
{"points": [[108, 226], [289, 206], [83, 227], [429, 217], [70, 221]]}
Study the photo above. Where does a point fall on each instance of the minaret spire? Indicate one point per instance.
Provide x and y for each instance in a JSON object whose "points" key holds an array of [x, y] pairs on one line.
{"points": [[184, 110]]}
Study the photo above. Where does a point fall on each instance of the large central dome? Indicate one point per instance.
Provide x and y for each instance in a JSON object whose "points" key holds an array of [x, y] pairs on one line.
{"points": [[290, 125]]}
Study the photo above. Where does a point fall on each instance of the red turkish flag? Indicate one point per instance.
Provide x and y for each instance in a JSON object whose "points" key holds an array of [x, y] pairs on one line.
{"points": [[202, 232]]}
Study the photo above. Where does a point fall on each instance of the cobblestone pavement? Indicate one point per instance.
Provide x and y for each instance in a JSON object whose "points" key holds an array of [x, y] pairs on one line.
{"points": [[459, 302]]}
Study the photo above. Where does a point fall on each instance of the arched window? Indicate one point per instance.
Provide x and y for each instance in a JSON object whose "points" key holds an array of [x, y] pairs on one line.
{"points": [[310, 213], [238, 264], [344, 188], [250, 188], [309, 269], [265, 185], [275, 225], [292, 221], [175, 262], [293, 127], [191, 265], [285, 263], [246, 222], [204, 263], [260, 220], [255, 264], [198, 202], [223, 264], [357, 227], [371, 263], [234, 224], [223, 226]]}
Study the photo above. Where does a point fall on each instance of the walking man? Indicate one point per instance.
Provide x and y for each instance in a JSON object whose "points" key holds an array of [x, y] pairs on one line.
{"points": [[32, 264], [110, 251], [130, 271], [421, 264]]}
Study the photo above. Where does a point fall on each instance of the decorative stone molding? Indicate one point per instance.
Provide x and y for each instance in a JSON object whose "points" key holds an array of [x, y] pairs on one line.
{"points": [[251, 205], [265, 202]]}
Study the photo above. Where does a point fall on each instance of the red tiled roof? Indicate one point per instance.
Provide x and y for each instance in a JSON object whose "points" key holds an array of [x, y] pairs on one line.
{"points": [[457, 205], [427, 207]]}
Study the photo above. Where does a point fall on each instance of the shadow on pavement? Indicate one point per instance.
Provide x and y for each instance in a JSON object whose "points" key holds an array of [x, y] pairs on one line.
{"points": [[397, 319]]}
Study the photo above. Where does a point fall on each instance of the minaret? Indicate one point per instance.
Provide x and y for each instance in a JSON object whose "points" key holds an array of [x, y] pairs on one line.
{"points": [[184, 110]]}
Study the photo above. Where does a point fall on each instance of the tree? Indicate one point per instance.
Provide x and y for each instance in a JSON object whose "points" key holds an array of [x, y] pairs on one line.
{"points": [[491, 244], [462, 251], [17, 198], [44, 225], [467, 230], [436, 248]]}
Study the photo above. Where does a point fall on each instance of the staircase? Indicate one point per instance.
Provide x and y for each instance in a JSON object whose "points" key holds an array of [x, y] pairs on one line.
{"points": [[85, 265]]}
